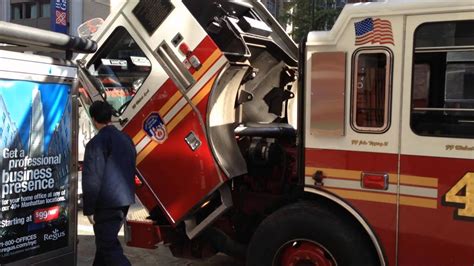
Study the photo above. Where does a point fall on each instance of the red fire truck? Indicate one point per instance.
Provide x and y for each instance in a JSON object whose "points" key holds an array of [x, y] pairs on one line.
{"points": [[355, 149]]}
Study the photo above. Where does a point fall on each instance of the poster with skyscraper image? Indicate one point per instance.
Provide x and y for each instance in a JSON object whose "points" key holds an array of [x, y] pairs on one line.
{"points": [[35, 146]]}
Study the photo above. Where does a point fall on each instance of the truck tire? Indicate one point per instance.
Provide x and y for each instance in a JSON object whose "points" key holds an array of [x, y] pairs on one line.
{"points": [[305, 234]]}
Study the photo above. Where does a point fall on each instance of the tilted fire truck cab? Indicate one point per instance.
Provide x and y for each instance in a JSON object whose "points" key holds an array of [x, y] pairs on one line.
{"points": [[363, 163]]}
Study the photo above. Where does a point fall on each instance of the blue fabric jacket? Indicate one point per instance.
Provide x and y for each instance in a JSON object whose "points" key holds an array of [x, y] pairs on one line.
{"points": [[109, 171]]}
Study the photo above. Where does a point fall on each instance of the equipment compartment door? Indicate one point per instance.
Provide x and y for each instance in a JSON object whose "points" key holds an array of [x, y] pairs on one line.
{"points": [[437, 149], [168, 65]]}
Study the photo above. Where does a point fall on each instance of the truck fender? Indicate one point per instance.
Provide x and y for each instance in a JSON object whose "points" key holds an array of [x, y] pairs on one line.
{"points": [[312, 192]]}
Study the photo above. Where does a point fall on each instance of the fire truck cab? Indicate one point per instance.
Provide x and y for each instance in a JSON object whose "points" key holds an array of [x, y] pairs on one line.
{"points": [[355, 149]]}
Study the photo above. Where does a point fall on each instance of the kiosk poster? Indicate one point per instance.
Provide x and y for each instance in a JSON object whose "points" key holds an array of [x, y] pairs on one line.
{"points": [[35, 148]]}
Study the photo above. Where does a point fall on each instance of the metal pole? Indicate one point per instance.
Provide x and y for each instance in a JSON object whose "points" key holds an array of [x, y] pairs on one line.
{"points": [[23, 35]]}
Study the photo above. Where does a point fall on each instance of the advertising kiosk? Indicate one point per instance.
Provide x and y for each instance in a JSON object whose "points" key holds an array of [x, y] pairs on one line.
{"points": [[38, 148]]}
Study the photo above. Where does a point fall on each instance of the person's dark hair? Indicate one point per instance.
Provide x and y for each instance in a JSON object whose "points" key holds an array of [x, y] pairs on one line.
{"points": [[101, 112]]}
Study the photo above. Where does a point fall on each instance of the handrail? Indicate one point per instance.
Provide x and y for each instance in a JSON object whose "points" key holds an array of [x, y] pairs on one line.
{"points": [[23, 35]]}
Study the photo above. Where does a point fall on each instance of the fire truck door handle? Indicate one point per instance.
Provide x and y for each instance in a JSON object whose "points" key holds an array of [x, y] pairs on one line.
{"points": [[193, 141]]}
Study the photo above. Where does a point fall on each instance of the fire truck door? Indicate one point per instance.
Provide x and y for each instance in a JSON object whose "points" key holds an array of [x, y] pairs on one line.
{"points": [[437, 149], [157, 72]]}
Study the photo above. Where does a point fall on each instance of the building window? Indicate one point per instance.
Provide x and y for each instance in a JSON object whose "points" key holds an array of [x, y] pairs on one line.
{"points": [[45, 10], [24, 11], [17, 11], [31, 10], [443, 80], [371, 90]]}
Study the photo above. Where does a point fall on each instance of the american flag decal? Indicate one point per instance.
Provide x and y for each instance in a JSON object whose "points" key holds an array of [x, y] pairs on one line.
{"points": [[373, 31]]}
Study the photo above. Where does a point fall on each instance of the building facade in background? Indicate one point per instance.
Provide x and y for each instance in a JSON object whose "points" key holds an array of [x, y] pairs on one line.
{"points": [[56, 15]]}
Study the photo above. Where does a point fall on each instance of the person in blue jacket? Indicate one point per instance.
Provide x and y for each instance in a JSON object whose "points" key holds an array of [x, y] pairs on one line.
{"points": [[108, 184]]}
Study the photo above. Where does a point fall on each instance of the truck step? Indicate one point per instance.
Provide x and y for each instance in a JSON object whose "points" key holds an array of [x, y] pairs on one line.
{"points": [[138, 214]]}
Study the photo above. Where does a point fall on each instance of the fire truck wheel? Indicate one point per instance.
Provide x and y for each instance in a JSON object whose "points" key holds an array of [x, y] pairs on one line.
{"points": [[305, 234]]}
